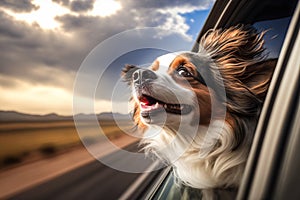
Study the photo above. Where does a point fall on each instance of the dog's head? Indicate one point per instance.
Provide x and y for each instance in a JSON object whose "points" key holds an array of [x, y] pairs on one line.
{"points": [[181, 87], [228, 71], [171, 90]]}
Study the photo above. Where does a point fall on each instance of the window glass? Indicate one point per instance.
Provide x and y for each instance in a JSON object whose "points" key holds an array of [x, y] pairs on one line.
{"points": [[172, 190], [274, 37]]}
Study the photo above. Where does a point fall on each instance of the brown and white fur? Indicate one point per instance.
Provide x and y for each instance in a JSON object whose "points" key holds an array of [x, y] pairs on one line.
{"points": [[198, 111]]}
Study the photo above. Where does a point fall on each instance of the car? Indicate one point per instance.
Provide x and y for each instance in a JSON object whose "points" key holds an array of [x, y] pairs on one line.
{"points": [[272, 167]]}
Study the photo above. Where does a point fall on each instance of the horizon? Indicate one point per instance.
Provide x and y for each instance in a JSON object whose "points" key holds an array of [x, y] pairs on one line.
{"points": [[53, 113]]}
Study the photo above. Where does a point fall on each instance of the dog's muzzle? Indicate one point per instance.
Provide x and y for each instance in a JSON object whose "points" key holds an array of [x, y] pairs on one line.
{"points": [[151, 105], [143, 76]]}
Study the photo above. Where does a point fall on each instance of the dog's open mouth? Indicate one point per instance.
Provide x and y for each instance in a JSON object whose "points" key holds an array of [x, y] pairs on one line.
{"points": [[150, 105]]}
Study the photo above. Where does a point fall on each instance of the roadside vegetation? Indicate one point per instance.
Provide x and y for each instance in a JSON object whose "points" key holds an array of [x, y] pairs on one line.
{"points": [[22, 141]]}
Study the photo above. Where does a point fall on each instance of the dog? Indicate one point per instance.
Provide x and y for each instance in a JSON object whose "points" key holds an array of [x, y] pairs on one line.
{"points": [[198, 110]]}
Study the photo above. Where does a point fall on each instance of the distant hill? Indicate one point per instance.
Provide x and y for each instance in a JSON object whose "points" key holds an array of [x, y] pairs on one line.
{"points": [[13, 116]]}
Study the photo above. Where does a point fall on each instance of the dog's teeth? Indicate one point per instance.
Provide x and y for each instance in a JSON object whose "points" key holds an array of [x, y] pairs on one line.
{"points": [[156, 105], [165, 106]]}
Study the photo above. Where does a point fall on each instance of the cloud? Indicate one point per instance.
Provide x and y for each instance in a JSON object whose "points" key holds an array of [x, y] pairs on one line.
{"points": [[50, 58], [19, 5], [81, 6], [62, 2], [158, 4], [25, 48]]}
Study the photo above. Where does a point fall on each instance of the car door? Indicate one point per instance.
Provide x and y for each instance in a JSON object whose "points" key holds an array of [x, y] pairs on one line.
{"points": [[272, 168]]}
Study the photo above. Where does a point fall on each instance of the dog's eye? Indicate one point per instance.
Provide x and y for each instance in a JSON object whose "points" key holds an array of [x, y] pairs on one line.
{"points": [[182, 71]]}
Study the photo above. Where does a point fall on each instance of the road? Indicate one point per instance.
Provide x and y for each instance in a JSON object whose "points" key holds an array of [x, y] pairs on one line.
{"points": [[91, 181]]}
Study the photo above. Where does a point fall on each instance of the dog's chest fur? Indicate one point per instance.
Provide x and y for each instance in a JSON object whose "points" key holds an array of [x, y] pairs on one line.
{"points": [[196, 161]]}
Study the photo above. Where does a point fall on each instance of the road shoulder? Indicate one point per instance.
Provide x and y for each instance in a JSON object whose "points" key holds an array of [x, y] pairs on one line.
{"points": [[18, 179]]}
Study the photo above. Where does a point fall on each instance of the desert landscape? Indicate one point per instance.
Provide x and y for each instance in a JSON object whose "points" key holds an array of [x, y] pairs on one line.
{"points": [[27, 138], [35, 149]]}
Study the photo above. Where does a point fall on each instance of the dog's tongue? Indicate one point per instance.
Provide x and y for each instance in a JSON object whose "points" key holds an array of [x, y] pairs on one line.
{"points": [[144, 100], [147, 100]]}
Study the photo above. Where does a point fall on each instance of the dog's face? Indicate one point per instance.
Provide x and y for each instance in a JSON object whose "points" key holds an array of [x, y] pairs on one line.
{"points": [[171, 91]]}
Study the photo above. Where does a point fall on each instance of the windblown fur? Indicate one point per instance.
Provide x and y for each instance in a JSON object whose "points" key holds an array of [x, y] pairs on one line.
{"points": [[232, 59]]}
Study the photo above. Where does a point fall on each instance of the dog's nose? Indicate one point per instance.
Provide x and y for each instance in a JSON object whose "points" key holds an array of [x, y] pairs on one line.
{"points": [[143, 75]]}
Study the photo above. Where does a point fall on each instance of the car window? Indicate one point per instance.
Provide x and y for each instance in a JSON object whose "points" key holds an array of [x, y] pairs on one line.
{"points": [[173, 190], [274, 37], [276, 26]]}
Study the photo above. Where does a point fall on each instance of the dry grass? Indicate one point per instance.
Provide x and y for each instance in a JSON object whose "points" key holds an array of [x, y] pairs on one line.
{"points": [[18, 140]]}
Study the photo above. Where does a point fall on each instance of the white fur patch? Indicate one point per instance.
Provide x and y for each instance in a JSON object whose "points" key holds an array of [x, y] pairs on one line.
{"points": [[203, 162]]}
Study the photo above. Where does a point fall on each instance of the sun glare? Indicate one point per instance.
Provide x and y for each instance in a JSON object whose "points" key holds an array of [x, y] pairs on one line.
{"points": [[44, 16], [28, 99], [47, 11], [104, 8]]}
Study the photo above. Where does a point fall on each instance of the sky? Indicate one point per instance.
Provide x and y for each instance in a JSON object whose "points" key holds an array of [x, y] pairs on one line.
{"points": [[45, 43]]}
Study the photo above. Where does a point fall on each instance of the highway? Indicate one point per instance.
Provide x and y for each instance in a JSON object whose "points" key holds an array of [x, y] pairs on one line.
{"points": [[91, 181]]}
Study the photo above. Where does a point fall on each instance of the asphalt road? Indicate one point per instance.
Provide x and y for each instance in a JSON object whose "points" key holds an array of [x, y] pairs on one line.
{"points": [[92, 181]]}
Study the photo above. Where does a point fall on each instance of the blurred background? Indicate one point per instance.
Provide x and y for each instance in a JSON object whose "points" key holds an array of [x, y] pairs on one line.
{"points": [[43, 43]]}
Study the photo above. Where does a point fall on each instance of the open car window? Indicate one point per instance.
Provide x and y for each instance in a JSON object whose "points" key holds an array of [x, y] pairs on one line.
{"points": [[274, 37], [172, 190], [271, 16]]}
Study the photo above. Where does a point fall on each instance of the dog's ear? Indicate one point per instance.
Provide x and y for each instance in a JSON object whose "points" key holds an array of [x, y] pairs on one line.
{"points": [[238, 54], [257, 77], [127, 73]]}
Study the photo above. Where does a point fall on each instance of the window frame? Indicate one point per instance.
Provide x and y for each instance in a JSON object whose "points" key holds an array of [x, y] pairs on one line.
{"points": [[272, 133]]}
